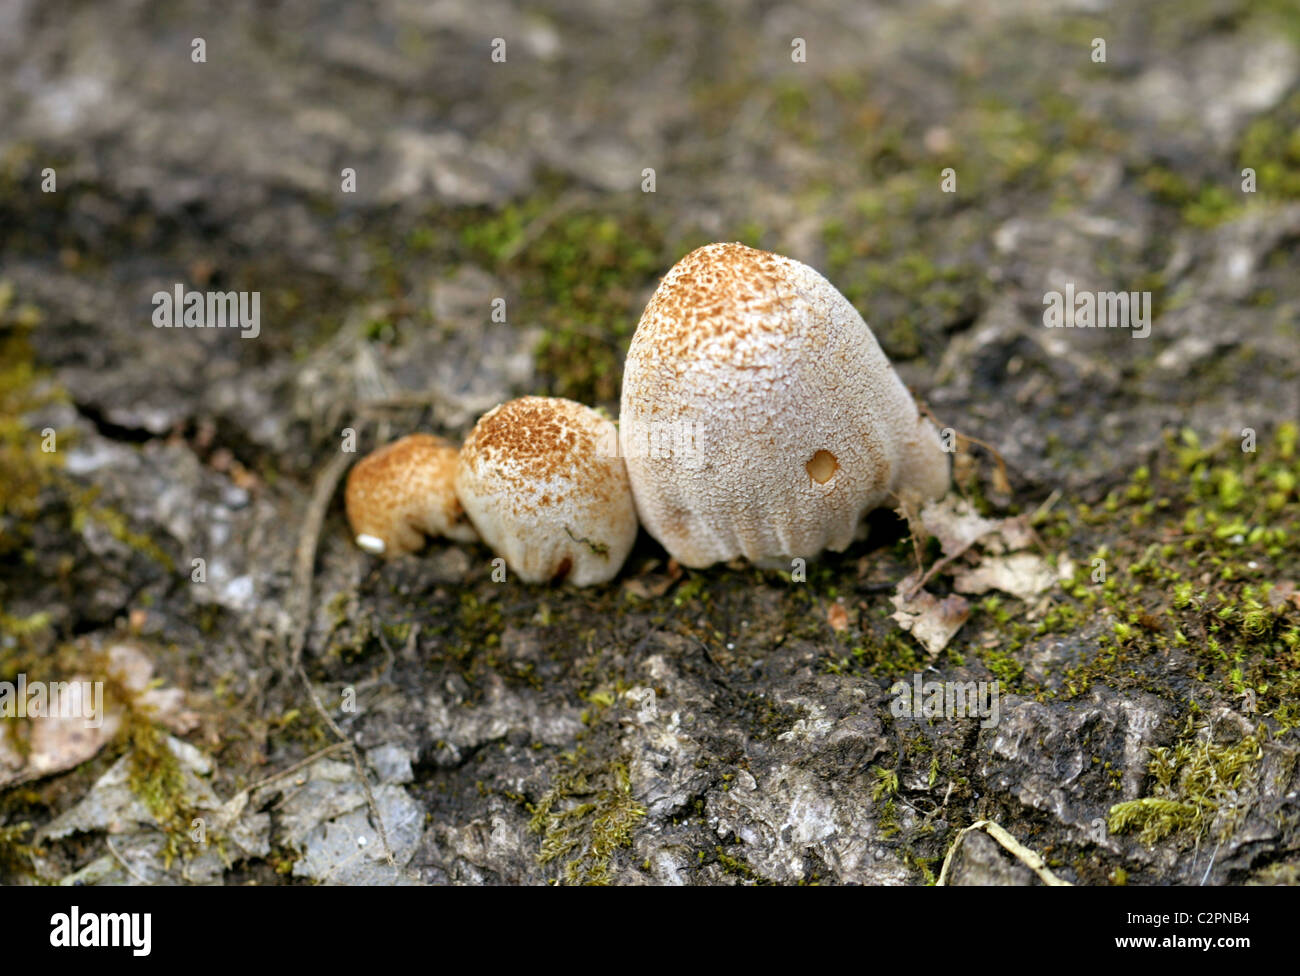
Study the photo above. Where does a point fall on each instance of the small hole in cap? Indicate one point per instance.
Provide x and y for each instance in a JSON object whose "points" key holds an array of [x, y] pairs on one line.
{"points": [[822, 466]]}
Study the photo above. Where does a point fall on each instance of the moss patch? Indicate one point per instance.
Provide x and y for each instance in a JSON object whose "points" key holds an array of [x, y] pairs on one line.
{"points": [[1197, 788], [581, 271], [584, 819], [25, 466]]}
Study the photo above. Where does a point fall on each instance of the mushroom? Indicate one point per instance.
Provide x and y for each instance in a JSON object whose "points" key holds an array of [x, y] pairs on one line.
{"points": [[760, 417], [542, 481], [403, 491]]}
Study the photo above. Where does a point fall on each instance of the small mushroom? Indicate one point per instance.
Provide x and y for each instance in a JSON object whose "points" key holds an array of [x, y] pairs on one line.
{"points": [[402, 492], [760, 417], [542, 482]]}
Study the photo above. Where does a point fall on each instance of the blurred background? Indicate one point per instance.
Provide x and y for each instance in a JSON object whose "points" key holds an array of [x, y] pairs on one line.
{"points": [[821, 132]]}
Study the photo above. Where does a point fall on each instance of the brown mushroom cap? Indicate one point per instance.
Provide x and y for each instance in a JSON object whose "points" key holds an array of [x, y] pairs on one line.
{"points": [[404, 491], [783, 419], [541, 479]]}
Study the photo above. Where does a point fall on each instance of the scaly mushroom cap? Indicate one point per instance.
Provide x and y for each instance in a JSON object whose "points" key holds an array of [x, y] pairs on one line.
{"points": [[542, 482], [760, 417], [402, 492]]}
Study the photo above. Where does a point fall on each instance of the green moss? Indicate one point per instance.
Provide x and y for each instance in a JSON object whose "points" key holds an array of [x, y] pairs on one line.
{"points": [[22, 628], [581, 272], [766, 719], [886, 784], [474, 642], [1004, 666], [895, 282], [584, 819], [887, 820], [888, 655], [25, 467], [739, 868], [1199, 204], [692, 590], [154, 773], [156, 776], [1193, 544], [15, 855], [923, 866], [117, 525], [1197, 789], [283, 859], [1271, 146]]}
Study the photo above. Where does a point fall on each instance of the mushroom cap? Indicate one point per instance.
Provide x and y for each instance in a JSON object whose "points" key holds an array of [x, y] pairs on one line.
{"points": [[402, 492], [760, 417], [542, 481]]}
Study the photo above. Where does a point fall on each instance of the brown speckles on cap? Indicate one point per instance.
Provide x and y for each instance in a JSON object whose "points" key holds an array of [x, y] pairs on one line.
{"points": [[805, 423], [541, 436], [403, 491], [541, 479], [721, 294]]}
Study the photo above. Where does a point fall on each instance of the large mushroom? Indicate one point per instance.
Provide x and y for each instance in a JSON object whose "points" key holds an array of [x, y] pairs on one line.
{"points": [[541, 480], [760, 417], [402, 492]]}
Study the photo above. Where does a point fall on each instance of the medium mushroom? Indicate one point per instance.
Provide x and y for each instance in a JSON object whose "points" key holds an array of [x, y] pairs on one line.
{"points": [[542, 482], [402, 492], [760, 417]]}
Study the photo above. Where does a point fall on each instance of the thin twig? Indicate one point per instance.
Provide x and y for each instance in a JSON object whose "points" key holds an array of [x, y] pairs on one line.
{"points": [[1209, 867], [1046, 506], [122, 861], [997, 455], [304, 572], [1030, 859], [290, 770]]}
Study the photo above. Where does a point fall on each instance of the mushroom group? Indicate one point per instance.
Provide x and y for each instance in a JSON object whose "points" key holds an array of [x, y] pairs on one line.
{"points": [[760, 419]]}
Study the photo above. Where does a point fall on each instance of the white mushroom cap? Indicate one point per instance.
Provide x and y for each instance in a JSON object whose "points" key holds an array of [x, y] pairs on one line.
{"points": [[542, 482], [402, 492], [773, 418]]}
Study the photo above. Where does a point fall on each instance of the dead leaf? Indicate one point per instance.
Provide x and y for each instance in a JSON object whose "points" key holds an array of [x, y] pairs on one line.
{"points": [[1282, 592], [932, 621], [837, 617], [1021, 574], [1001, 485], [133, 669], [53, 745], [956, 524], [56, 743], [648, 588], [1012, 535], [1064, 566]]}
